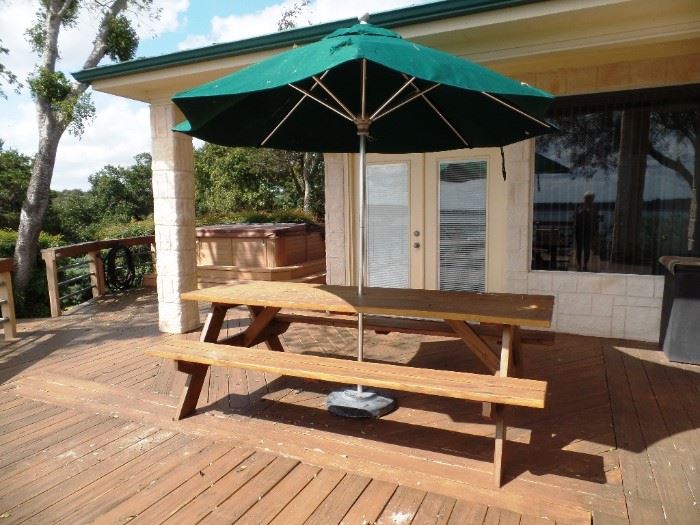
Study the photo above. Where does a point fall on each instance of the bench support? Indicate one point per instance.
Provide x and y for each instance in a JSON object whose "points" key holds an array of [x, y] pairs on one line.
{"points": [[193, 387]]}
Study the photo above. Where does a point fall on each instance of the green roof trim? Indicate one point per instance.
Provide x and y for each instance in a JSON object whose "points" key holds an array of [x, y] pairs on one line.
{"points": [[398, 17]]}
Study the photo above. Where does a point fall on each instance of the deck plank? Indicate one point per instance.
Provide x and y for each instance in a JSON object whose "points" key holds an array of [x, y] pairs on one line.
{"points": [[274, 502], [307, 501], [615, 444]]}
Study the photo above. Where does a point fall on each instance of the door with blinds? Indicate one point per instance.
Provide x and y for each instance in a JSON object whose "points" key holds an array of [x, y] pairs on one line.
{"points": [[462, 226], [427, 220], [394, 219]]}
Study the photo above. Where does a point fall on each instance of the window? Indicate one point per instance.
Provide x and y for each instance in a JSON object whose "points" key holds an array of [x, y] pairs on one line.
{"points": [[462, 225], [388, 224], [617, 187]]}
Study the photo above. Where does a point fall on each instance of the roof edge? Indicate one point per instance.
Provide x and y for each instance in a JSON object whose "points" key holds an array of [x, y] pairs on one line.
{"points": [[398, 17]]}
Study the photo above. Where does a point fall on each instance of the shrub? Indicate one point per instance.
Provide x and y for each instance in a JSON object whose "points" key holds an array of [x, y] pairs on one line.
{"points": [[34, 302], [257, 217], [123, 230]]}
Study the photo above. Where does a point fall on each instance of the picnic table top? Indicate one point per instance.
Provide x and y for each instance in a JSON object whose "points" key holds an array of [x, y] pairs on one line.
{"points": [[501, 308]]}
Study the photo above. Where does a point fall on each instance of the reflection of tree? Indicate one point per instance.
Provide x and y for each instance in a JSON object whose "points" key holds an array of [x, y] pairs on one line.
{"points": [[680, 127], [611, 140]]}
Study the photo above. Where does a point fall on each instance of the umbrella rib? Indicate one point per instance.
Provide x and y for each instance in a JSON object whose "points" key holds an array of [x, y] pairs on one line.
{"points": [[279, 125], [510, 106], [442, 117], [406, 101], [332, 95], [364, 89], [324, 104], [391, 98]]}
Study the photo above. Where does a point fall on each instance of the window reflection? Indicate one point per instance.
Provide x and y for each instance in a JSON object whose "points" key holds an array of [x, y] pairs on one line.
{"points": [[617, 186]]}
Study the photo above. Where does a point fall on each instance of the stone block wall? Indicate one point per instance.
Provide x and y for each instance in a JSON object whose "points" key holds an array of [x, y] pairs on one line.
{"points": [[608, 305]]}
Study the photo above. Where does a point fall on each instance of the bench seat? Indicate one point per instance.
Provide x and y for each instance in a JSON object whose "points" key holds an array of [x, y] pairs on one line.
{"points": [[195, 357], [444, 383]]}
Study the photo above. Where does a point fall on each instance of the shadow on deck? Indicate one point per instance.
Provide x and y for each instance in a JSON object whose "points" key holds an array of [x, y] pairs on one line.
{"points": [[86, 434]]}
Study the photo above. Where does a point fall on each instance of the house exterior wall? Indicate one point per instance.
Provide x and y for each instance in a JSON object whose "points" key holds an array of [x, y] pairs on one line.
{"points": [[607, 305]]}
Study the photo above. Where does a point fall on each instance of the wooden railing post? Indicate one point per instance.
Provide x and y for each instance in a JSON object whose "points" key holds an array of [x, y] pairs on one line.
{"points": [[97, 273], [7, 300], [49, 257]]}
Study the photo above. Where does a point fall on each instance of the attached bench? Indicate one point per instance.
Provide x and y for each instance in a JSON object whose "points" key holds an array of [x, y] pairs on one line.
{"points": [[194, 358]]}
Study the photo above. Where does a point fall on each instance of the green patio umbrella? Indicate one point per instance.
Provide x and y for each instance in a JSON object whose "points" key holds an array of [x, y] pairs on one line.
{"points": [[364, 89]]}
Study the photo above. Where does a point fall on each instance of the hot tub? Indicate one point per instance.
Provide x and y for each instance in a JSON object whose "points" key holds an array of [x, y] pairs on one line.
{"points": [[268, 252]]}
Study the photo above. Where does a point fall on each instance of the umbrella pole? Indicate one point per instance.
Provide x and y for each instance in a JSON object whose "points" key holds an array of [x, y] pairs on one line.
{"points": [[362, 245], [359, 402]]}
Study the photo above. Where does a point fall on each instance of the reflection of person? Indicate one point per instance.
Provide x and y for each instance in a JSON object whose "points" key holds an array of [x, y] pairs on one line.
{"points": [[586, 230]]}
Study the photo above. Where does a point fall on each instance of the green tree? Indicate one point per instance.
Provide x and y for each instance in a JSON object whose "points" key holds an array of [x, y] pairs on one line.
{"points": [[231, 179], [75, 215], [62, 104], [123, 193], [15, 171]]}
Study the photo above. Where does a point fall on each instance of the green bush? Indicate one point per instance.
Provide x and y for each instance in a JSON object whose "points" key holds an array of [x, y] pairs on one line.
{"points": [[122, 230], [34, 302], [257, 217]]}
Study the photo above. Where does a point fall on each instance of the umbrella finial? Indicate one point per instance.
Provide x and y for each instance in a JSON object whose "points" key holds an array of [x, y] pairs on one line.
{"points": [[363, 18]]}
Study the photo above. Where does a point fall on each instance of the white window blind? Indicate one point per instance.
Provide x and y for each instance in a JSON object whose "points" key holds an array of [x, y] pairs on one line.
{"points": [[388, 222], [462, 248]]}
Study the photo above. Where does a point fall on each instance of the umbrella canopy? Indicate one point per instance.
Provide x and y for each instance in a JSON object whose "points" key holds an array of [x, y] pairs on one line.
{"points": [[415, 98], [364, 89]]}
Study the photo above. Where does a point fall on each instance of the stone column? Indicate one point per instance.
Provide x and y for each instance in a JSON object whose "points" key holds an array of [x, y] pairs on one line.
{"points": [[173, 212]]}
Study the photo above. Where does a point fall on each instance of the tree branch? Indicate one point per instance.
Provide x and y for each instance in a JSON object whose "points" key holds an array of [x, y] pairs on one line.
{"points": [[674, 164], [99, 45]]}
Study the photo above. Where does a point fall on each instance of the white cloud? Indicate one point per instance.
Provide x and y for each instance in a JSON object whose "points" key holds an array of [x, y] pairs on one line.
{"points": [[74, 43], [121, 129], [239, 27], [16, 17], [194, 41], [170, 20]]}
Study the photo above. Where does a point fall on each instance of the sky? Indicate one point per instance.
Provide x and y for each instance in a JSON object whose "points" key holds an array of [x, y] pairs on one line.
{"points": [[120, 129]]}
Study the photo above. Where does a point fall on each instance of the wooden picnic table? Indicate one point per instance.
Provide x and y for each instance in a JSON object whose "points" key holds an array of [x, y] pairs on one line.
{"points": [[456, 310], [466, 316]]}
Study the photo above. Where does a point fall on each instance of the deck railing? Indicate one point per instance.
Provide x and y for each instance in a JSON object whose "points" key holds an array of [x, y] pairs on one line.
{"points": [[86, 255], [8, 321]]}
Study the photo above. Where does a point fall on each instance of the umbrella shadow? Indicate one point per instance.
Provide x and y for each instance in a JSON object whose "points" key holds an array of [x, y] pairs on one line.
{"points": [[537, 444], [600, 398]]}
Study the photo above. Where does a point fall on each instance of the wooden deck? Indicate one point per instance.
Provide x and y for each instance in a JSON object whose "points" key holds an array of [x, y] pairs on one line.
{"points": [[86, 435]]}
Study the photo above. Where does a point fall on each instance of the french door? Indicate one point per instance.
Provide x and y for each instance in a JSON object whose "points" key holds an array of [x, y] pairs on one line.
{"points": [[427, 221]]}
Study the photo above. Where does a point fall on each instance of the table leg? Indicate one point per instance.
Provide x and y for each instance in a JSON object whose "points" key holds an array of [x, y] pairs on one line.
{"points": [[262, 329], [475, 343], [193, 387], [509, 337], [213, 323], [262, 317]]}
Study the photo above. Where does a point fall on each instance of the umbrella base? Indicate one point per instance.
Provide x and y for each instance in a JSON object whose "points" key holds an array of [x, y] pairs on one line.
{"points": [[365, 404]]}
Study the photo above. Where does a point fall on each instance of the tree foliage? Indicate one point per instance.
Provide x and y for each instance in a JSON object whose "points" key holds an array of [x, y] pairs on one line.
{"points": [[62, 104], [288, 19], [233, 179], [6, 75], [15, 170]]}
